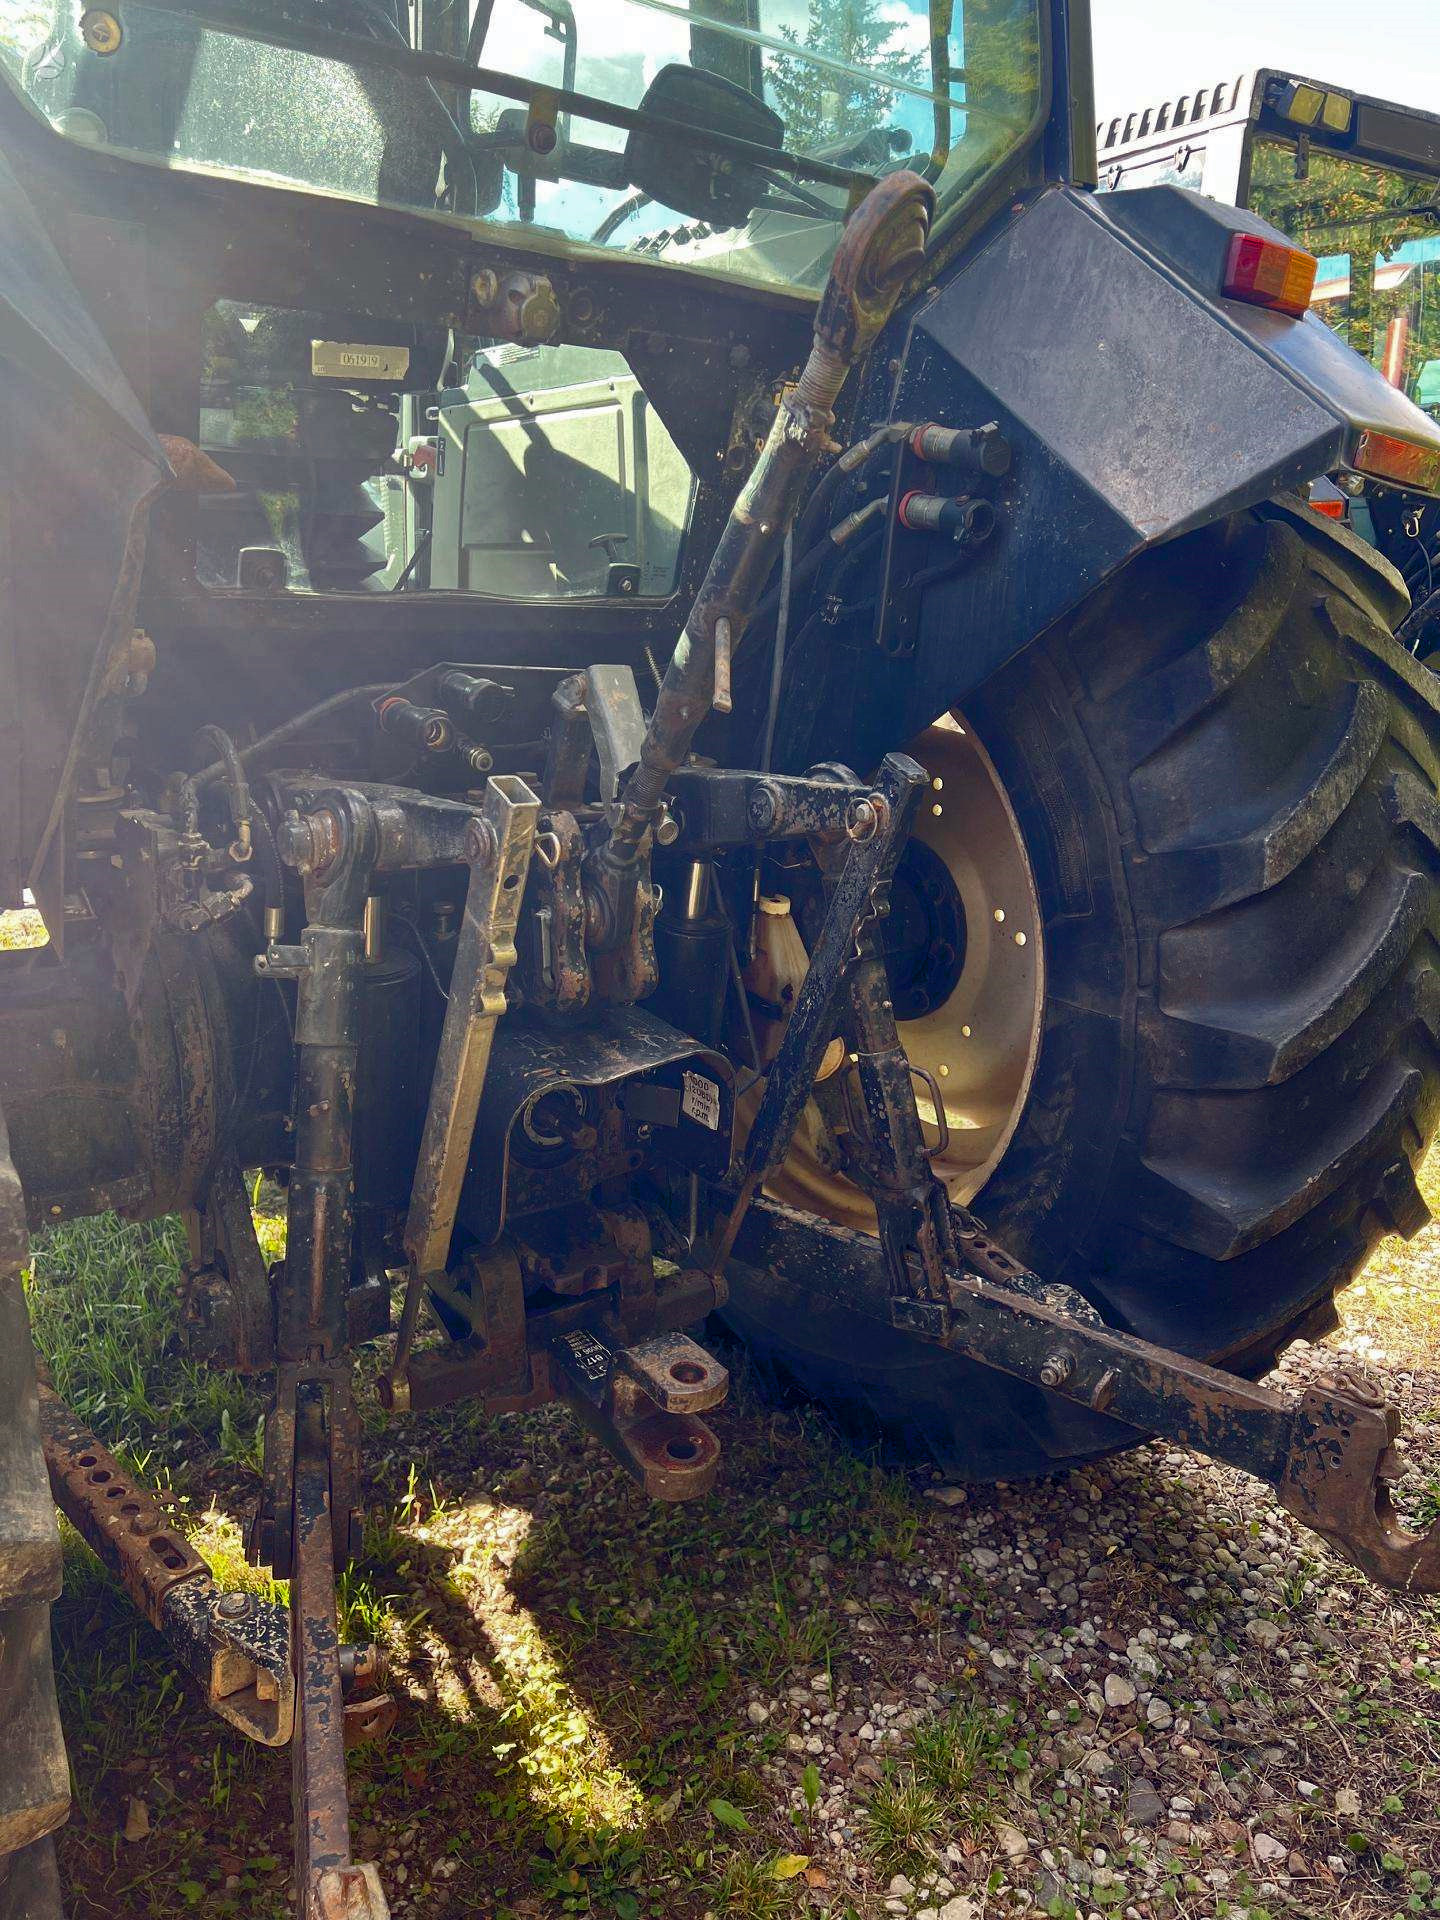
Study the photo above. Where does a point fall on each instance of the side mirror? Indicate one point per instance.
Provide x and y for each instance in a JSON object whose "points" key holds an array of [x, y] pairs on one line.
{"points": [[706, 184]]}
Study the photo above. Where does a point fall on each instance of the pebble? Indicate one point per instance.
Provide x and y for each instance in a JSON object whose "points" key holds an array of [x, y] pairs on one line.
{"points": [[947, 1496], [1143, 1805], [1138, 1627]]}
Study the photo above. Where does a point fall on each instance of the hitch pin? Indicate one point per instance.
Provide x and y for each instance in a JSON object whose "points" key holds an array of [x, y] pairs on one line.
{"points": [[721, 702]]}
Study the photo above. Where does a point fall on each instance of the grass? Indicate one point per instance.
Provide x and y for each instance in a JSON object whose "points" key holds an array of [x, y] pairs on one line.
{"points": [[570, 1674], [575, 1667], [105, 1314]]}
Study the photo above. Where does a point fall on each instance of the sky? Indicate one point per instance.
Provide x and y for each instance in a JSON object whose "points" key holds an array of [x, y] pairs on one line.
{"points": [[1146, 50]]}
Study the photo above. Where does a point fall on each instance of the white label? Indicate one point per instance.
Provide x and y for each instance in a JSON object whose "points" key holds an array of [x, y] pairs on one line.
{"points": [[701, 1100], [353, 359]]}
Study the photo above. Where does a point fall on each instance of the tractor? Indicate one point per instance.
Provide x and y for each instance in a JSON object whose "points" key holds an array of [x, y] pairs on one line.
{"points": [[678, 681], [1356, 182]]}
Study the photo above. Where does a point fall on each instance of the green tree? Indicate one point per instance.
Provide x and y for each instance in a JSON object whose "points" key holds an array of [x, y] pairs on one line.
{"points": [[821, 103], [1332, 204]]}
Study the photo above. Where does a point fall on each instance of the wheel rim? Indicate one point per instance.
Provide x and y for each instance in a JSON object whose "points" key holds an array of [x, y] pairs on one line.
{"points": [[978, 1042]]}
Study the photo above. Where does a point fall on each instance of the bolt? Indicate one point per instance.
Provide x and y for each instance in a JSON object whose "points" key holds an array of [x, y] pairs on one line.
{"points": [[1057, 1367], [763, 807], [479, 841], [667, 829], [101, 31], [862, 821], [233, 1606]]}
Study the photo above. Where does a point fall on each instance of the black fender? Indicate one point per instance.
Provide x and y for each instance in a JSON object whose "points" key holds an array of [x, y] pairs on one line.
{"points": [[1140, 404]]}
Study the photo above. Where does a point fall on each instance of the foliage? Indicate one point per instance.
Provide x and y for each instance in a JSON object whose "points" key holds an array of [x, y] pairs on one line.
{"points": [[821, 103], [1334, 205]]}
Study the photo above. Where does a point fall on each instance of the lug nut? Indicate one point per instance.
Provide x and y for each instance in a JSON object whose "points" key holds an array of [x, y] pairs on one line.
{"points": [[233, 1606]]}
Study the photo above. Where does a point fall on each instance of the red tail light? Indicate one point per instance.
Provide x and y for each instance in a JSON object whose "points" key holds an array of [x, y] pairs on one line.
{"points": [[1268, 273]]}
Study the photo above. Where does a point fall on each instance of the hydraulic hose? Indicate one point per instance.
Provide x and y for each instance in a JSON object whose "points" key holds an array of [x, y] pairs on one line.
{"points": [[880, 249]]}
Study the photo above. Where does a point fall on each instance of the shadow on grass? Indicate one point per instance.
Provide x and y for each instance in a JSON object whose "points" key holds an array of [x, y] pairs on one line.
{"points": [[576, 1668]]}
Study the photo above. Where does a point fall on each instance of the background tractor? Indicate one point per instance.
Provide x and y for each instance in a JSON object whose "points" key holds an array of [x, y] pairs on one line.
{"points": [[989, 957], [1356, 182]]}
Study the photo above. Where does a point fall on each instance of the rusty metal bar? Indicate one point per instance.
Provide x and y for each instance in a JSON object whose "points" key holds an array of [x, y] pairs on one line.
{"points": [[501, 839], [236, 1645], [330, 1885]]}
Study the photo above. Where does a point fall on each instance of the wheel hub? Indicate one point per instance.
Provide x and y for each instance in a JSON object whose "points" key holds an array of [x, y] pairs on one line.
{"points": [[964, 946]]}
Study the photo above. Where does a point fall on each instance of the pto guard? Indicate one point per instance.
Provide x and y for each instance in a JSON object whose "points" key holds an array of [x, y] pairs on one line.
{"points": [[1140, 405]]}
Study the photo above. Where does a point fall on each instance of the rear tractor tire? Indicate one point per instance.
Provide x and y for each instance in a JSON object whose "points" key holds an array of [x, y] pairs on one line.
{"points": [[1216, 1068]]}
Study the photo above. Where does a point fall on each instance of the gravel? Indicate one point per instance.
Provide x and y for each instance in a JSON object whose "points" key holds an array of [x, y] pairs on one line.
{"points": [[1219, 1716], [1177, 1703]]}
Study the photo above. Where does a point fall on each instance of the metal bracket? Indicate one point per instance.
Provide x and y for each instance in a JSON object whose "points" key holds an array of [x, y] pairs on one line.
{"points": [[613, 702], [642, 1402]]}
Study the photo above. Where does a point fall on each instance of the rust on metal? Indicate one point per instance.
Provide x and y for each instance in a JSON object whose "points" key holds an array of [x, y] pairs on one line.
{"points": [[1338, 1479], [235, 1644], [484, 956], [671, 1453], [882, 246], [676, 1373], [194, 470], [118, 1518], [330, 1884]]}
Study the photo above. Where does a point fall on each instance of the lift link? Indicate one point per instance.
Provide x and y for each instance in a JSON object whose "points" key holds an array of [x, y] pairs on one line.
{"points": [[502, 838], [865, 862], [1330, 1456]]}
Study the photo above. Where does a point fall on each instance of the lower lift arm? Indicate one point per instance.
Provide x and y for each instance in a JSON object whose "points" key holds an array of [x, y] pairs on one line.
{"points": [[935, 1274], [1328, 1453]]}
